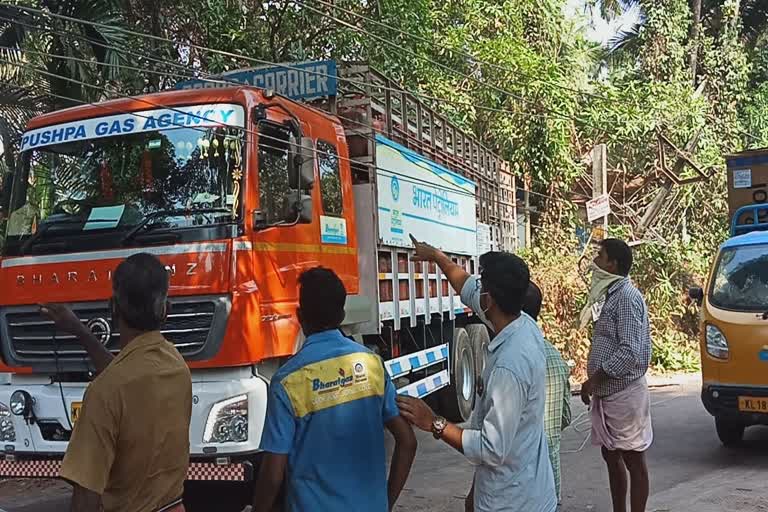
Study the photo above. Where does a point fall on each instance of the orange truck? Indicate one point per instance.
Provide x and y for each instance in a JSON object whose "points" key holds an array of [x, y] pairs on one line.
{"points": [[238, 190], [734, 306]]}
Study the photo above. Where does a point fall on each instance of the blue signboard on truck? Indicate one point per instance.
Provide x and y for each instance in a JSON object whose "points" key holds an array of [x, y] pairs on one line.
{"points": [[298, 81]]}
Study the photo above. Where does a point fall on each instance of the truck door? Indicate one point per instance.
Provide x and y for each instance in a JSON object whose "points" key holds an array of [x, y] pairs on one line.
{"points": [[286, 243]]}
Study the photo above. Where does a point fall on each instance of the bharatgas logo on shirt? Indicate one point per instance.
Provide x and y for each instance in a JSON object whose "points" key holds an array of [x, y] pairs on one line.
{"points": [[344, 385], [220, 114], [325, 386]]}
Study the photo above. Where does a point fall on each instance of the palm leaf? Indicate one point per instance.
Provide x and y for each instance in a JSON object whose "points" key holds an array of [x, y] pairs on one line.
{"points": [[612, 9], [626, 40]]}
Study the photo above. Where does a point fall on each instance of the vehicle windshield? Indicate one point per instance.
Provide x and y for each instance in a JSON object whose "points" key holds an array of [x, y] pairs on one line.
{"points": [[97, 190], [741, 279]]}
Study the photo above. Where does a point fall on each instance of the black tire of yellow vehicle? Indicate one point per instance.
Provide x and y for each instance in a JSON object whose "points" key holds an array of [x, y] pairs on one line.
{"points": [[730, 432]]}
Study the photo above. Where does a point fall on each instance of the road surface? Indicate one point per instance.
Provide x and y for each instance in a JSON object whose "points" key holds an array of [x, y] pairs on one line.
{"points": [[690, 470]]}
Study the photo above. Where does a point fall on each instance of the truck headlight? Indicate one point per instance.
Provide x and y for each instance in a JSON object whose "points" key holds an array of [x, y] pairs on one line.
{"points": [[7, 430], [717, 345], [21, 403], [228, 421]]}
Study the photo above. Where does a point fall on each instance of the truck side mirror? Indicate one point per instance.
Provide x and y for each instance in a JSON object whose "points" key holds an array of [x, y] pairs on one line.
{"points": [[305, 209], [306, 163], [697, 294], [302, 153]]}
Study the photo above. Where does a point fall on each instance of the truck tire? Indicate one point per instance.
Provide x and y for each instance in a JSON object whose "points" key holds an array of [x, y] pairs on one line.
{"points": [[479, 338], [730, 432], [457, 400]]}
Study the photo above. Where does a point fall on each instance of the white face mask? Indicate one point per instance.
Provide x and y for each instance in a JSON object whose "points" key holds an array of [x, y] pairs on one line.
{"points": [[481, 313], [601, 280], [599, 285]]}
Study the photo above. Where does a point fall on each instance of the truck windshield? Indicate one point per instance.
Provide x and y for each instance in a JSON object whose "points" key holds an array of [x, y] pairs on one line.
{"points": [[741, 279], [96, 191]]}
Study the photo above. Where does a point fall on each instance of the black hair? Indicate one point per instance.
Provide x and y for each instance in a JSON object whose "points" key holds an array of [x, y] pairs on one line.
{"points": [[618, 251], [321, 300], [140, 286], [505, 277], [533, 299]]}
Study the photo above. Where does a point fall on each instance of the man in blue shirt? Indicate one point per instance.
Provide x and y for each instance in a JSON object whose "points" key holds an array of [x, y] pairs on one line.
{"points": [[327, 409], [505, 437]]}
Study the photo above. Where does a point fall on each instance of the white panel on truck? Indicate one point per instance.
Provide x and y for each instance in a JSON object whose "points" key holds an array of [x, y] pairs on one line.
{"points": [[417, 196]]}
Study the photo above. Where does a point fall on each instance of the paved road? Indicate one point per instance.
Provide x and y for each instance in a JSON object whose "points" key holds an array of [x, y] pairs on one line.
{"points": [[689, 468]]}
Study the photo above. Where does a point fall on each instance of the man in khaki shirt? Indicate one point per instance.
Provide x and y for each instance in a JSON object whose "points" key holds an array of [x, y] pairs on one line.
{"points": [[129, 451]]}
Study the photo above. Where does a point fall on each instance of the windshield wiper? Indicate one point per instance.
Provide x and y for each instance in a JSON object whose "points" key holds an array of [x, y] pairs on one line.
{"points": [[43, 229], [130, 235]]}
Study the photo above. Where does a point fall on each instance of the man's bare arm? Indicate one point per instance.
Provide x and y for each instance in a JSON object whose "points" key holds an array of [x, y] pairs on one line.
{"points": [[84, 500], [456, 275], [270, 480], [402, 457], [67, 321]]}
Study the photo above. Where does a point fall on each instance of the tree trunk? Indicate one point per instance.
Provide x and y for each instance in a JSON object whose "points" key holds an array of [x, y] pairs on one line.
{"points": [[695, 31], [734, 22]]}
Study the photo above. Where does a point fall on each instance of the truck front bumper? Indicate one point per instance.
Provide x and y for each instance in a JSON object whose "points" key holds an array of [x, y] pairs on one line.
{"points": [[21, 467], [722, 401], [41, 441]]}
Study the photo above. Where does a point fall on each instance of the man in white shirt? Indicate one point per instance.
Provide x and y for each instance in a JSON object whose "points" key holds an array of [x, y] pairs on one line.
{"points": [[506, 442]]}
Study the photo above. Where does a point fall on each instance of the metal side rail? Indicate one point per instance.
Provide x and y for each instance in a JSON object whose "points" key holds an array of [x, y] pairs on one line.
{"points": [[426, 386], [755, 211], [404, 365], [417, 361]]}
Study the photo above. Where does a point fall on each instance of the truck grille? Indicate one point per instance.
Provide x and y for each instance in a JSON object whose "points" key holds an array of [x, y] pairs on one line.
{"points": [[193, 325]]}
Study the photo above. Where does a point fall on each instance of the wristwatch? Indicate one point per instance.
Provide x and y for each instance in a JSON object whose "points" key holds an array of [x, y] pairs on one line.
{"points": [[438, 425]]}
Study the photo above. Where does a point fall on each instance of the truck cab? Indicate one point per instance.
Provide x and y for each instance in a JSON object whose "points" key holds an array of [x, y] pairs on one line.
{"points": [[238, 190]]}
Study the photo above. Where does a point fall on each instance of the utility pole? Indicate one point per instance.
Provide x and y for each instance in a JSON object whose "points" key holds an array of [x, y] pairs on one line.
{"points": [[527, 189], [600, 176]]}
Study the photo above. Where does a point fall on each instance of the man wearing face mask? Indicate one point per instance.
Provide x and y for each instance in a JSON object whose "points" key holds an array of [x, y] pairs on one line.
{"points": [[508, 446], [618, 360], [129, 450]]}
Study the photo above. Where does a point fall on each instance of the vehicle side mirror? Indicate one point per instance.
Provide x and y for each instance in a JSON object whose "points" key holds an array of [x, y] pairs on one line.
{"points": [[697, 294], [306, 163], [302, 164], [259, 219]]}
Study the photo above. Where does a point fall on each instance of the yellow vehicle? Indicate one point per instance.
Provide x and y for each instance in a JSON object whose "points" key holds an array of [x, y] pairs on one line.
{"points": [[734, 327]]}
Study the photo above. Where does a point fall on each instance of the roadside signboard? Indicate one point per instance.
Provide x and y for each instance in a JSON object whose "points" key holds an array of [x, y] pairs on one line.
{"points": [[598, 207]]}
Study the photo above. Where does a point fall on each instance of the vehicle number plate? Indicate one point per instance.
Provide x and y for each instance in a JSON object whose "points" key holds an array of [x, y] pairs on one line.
{"points": [[76, 407], [753, 404]]}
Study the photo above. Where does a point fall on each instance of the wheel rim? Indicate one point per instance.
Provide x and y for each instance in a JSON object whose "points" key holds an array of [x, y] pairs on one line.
{"points": [[466, 376]]}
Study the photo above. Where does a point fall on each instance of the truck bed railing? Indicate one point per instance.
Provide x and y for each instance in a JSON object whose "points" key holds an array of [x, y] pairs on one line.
{"points": [[757, 214]]}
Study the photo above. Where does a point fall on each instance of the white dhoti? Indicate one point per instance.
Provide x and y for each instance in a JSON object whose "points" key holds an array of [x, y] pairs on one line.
{"points": [[622, 421]]}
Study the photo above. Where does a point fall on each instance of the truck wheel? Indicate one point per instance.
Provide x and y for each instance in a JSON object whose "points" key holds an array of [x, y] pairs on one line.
{"points": [[457, 400], [479, 339], [730, 432]]}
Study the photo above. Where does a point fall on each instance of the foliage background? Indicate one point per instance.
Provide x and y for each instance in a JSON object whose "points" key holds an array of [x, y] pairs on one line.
{"points": [[521, 74]]}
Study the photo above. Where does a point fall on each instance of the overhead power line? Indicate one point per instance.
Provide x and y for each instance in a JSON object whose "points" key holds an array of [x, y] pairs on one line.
{"points": [[464, 54], [552, 112]]}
